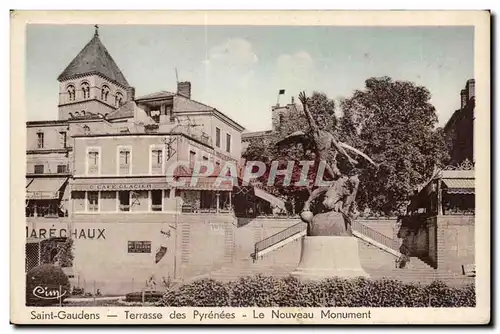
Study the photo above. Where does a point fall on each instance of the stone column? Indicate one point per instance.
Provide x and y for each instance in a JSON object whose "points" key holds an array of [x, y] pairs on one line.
{"points": [[217, 200], [439, 198]]}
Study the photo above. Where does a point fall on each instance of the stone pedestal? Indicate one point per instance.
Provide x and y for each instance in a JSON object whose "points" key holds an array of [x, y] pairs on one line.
{"points": [[329, 224], [329, 256]]}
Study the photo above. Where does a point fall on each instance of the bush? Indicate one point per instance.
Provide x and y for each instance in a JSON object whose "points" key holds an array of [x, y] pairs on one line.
{"points": [[265, 291], [202, 293], [44, 285]]}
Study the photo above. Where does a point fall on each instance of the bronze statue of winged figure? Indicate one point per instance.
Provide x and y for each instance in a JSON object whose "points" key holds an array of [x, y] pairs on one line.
{"points": [[339, 197]]}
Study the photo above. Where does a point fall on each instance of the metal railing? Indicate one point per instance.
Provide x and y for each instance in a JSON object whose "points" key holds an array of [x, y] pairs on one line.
{"points": [[299, 227], [375, 235], [278, 237]]}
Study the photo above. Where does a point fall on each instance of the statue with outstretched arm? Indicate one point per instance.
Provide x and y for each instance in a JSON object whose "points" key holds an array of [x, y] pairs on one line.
{"points": [[322, 143]]}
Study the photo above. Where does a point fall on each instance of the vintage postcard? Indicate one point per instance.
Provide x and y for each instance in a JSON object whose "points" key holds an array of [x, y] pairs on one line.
{"points": [[250, 167]]}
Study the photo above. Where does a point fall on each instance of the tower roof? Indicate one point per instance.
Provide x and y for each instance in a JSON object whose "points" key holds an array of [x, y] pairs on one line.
{"points": [[94, 58]]}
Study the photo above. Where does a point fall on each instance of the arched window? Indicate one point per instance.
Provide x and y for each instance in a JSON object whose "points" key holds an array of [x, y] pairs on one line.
{"points": [[86, 90], [104, 93], [71, 92], [77, 114], [83, 113], [70, 115], [118, 99]]}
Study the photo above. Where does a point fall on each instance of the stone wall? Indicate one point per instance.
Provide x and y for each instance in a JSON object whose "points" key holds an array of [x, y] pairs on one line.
{"points": [[455, 242], [445, 242], [199, 243]]}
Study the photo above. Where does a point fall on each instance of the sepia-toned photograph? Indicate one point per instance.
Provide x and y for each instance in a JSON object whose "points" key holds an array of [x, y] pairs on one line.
{"points": [[323, 171]]}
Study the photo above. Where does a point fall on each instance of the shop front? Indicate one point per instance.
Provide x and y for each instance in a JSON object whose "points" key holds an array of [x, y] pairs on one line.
{"points": [[47, 197], [204, 195], [122, 195], [439, 227]]}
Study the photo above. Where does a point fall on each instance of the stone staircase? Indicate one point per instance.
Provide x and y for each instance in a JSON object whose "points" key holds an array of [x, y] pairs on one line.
{"points": [[406, 275], [378, 256]]}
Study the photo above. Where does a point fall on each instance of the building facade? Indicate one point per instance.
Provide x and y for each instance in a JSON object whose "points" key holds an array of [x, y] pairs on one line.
{"points": [[113, 173], [459, 129]]}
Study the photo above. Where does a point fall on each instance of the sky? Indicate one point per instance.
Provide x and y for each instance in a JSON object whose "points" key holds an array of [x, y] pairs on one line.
{"points": [[240, 69]]}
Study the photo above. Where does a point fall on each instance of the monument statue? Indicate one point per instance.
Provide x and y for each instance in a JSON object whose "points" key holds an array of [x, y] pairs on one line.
{"points": [[339, 199], [329, 249]]}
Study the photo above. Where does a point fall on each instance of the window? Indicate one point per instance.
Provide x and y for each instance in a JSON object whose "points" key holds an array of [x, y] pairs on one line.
{"points": [[93, 201], [156, 161], [39, 169], [39, 136], [205, 158], [217, 137], [104, 93], [155, 115], [118, 99], [86, 90], [228, 142], [124, 160], [156, 200], [192, 158], [93, 161], [124, 200], [63, 139], [61, 169], [71, 92]]}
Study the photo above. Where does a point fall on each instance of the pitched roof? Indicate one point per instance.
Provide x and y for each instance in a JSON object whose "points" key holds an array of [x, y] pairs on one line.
{"points": [[184, 104], [157, 95], [94, 58], [125, 111]]}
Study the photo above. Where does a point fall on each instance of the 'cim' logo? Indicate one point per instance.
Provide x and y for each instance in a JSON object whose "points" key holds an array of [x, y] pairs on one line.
{"points": [[46, 293]]}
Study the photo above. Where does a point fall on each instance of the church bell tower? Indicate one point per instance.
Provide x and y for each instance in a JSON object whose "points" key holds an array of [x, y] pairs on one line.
{"points": [[92, 83]]}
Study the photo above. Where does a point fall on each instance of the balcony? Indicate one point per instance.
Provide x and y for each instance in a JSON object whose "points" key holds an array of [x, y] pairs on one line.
{"points": [[49, 150], [156, 207], [157, 169], [93, 170], [124, 169]]}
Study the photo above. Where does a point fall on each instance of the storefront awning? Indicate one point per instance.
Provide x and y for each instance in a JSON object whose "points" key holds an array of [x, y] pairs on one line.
{"points": [[45, 188], [269, 198], [204, 183], [459, 186], [120, 184], [28, 182]]}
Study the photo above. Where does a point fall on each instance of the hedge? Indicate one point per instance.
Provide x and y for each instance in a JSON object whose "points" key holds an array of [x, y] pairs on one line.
{"points": [[266, 291]]}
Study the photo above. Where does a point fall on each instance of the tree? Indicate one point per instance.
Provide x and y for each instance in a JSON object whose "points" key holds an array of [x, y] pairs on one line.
{"points": [[394, 123], [265, 150]]}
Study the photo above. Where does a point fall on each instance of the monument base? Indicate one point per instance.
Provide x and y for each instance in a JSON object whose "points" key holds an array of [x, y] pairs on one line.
{"points": [[329, 256]]}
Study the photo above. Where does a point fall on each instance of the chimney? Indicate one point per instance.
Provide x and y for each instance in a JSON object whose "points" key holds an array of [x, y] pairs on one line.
{"points": [[463, 98], [130, 94], [184, 89], [471, 88]]}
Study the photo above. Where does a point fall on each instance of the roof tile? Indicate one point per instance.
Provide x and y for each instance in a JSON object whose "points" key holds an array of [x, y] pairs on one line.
{"points": [[94, 58]]}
